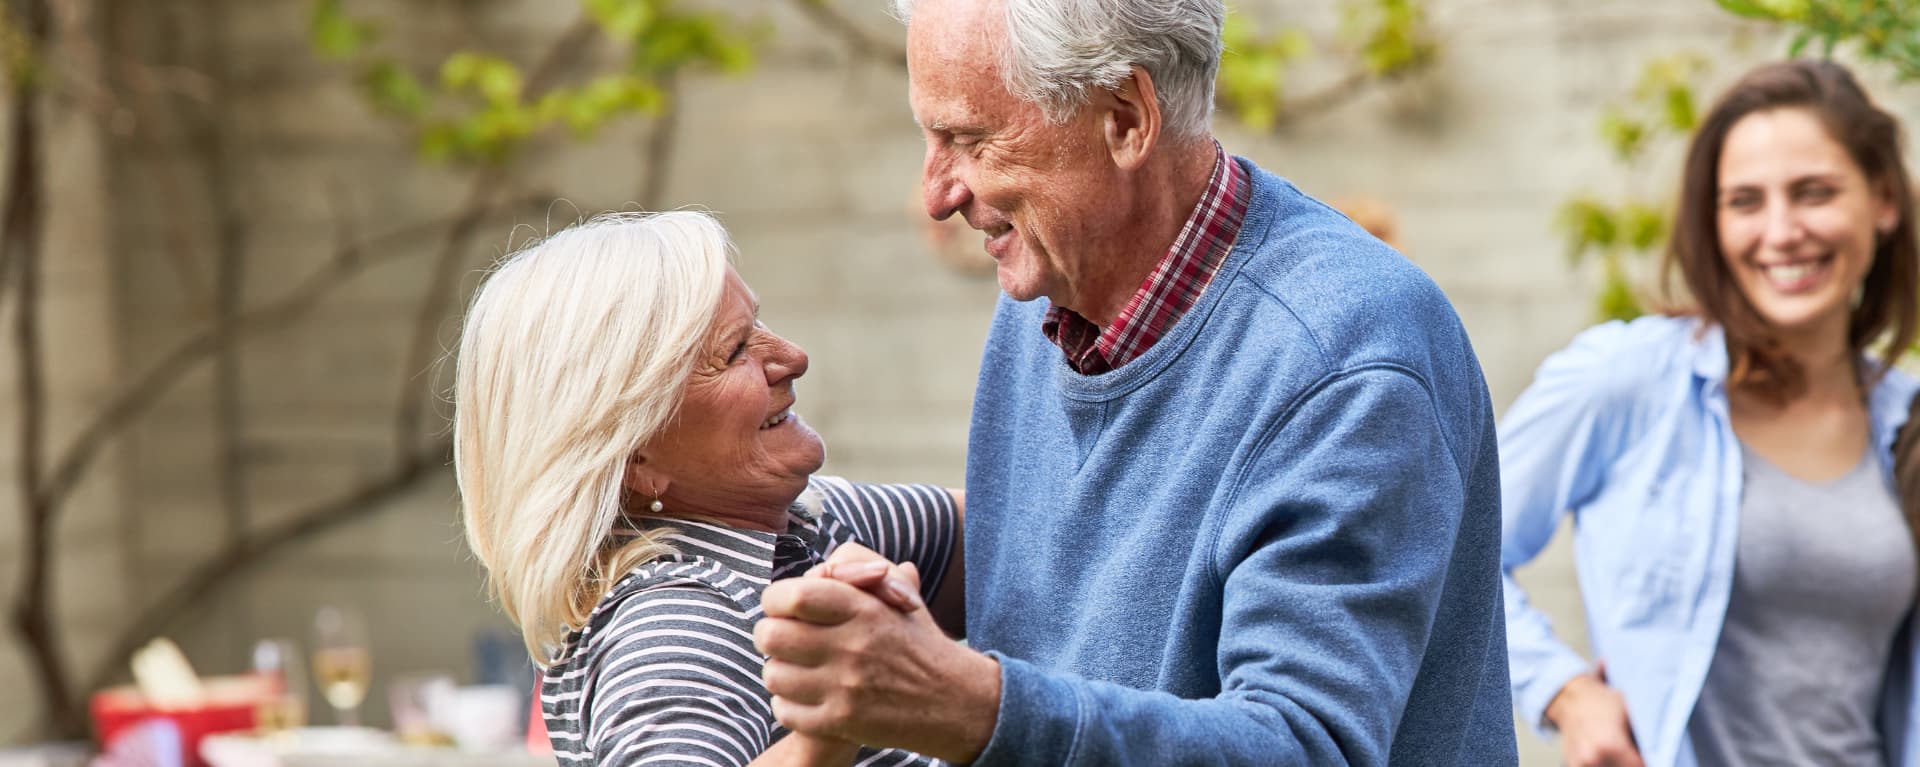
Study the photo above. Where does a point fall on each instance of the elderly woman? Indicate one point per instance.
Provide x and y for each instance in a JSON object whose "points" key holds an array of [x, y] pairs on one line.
{"points": [[633, 475]]}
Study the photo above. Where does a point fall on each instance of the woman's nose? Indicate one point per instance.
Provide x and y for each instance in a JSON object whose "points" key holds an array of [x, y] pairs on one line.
{"points": [[1783, 228], [787, 362]]}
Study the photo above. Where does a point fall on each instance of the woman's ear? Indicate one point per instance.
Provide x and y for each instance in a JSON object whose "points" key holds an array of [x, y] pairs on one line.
{"points": [[643, 479], [1886, 215]]}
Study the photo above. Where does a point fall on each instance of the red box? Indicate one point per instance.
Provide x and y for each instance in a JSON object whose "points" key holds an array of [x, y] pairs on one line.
{"points": [[230, 706]]}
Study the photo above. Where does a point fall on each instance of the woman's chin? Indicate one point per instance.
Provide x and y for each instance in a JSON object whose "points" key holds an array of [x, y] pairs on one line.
{"points": [[813, 450]]}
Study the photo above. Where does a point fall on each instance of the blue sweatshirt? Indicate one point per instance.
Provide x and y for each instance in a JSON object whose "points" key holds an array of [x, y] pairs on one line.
{"points": [[1272, 540]]}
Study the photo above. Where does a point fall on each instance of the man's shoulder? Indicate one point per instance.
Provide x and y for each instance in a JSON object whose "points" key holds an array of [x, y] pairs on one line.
{"points": [[1357, 298]]}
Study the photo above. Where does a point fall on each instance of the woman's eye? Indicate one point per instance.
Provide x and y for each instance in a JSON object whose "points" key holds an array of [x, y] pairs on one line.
{"points": [[739, 351], [1816, 194]]}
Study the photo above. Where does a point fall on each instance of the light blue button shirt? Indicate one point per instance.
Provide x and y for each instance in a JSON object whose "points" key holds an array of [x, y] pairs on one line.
{"points": [[1627, 429]]}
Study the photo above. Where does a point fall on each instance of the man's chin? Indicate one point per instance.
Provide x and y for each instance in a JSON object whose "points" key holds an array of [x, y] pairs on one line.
{"points": [[1017, 288]]}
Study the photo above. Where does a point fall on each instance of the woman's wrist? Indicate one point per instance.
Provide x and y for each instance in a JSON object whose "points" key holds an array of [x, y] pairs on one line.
{"points": [[802, 750], [1569, 696]]}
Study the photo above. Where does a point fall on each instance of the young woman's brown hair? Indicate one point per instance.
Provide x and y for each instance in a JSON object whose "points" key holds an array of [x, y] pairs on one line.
{"points": [[1906, 470], [1889, 302]]}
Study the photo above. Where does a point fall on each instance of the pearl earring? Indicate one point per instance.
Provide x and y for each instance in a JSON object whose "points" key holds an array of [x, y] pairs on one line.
{"points": [[656, 507]]}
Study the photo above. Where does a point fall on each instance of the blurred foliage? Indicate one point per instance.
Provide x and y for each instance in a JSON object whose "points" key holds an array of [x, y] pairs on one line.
{"points": [[1253, 70], [477, 107], [17, 53], [1623, 233], [1379, 40], [1886, 31], [1391, 36]]}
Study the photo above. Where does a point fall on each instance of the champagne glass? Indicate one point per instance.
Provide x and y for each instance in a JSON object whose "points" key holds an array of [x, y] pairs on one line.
{"points": [[284, 706], [342, 664]]}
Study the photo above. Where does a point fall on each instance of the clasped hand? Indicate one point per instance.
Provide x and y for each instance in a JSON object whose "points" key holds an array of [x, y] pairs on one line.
{"points": [[853, 654]]}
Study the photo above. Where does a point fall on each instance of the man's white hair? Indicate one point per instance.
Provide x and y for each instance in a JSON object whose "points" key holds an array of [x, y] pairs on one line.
{"points": [[575, 352], [1060, 51]]}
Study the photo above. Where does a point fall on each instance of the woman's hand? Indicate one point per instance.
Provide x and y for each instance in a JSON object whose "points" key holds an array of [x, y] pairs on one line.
{"points": [[863, 568], [799, 749], [1592, 719]]}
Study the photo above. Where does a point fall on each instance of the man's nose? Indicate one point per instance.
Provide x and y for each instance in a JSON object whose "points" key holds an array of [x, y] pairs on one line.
{"points": [[945, 193]]}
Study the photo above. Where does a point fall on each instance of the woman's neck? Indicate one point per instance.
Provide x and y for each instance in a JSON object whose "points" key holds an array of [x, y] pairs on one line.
{"points": [[1826, 359]]}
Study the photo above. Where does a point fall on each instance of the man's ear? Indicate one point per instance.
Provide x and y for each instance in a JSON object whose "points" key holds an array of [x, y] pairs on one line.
{"points": [[1131, 124], [643, 478]]}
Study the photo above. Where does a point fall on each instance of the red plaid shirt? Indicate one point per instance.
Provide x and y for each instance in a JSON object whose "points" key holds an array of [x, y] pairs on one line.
{"points": [[1173, 287]]}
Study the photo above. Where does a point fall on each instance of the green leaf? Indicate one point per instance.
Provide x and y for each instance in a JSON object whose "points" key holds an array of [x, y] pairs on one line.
{"points": [[1799, 44], [623, 20], [1617, 299], [394, 91], [499, 82], [1680, 113], [1747, 8], [1391, 35], [1622, 134], [334, 34], [1645, 226], [460, 69], [1252, 80], [1588, 225]]}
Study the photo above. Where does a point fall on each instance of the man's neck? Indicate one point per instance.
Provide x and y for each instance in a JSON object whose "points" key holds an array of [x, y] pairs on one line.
{"points": [[1162, 197]]}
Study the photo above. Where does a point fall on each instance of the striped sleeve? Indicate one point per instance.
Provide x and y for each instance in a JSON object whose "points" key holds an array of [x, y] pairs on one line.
{"points": [[904, 523], [678, 683]]}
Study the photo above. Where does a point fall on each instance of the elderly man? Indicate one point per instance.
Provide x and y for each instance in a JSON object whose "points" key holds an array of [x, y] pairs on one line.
{"points": [[1232, 485]]}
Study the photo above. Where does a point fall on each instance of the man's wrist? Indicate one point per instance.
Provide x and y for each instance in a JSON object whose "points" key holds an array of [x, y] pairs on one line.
{"points": [[977, 686]]}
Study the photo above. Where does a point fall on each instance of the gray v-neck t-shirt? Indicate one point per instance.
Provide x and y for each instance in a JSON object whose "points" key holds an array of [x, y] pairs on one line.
{"points": [[1822, 578]]}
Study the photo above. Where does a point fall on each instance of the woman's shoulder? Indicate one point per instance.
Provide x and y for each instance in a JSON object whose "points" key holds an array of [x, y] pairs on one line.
{"points": [[1625, 358], [670, 593], [1656, 336], [668, 583]]}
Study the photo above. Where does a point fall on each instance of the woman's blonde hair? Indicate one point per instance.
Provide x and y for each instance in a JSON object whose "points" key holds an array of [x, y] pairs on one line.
{"points": [[573, 355]]}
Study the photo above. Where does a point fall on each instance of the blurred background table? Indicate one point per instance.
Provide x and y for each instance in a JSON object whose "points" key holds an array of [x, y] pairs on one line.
{"points": [[342, 747]]}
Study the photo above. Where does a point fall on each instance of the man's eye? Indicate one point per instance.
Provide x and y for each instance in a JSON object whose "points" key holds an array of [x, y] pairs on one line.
{"points": [[739, 350]]}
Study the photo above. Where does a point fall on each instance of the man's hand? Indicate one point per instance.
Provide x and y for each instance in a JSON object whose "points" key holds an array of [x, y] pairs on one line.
{"points": [[1592, 718], [843, 664], [865, 569]]}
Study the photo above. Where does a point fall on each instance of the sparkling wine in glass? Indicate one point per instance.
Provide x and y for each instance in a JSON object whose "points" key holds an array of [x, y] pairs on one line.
{"points": [[284, 706], [342, 663]]}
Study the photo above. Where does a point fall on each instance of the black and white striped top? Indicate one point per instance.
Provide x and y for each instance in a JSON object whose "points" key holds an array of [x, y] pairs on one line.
{"points": [[665, 672]]}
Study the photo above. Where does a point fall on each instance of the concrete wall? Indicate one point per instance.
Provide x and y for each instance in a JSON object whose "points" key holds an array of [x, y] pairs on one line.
{"points": [[812, 162]]}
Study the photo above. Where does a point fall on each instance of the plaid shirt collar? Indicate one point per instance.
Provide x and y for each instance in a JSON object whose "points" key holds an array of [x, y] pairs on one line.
{"points": [[1174, 286]]}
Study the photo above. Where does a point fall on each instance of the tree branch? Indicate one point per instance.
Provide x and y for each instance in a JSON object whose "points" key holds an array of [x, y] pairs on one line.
{"points": [[23, 240], [241, 555], [659, 147], [421, 349], [136, 397], [830, 18], [1333, 95], [230, 273]]}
